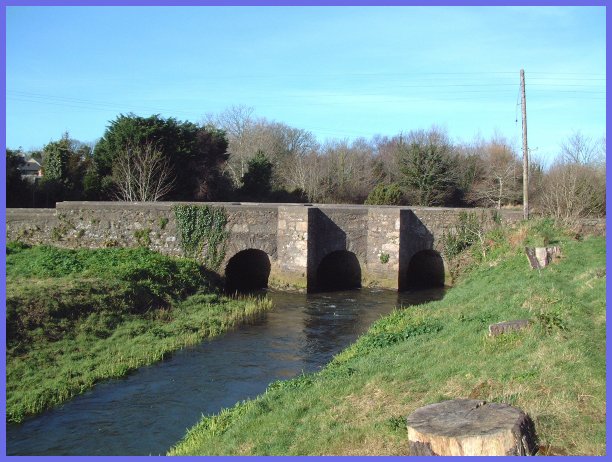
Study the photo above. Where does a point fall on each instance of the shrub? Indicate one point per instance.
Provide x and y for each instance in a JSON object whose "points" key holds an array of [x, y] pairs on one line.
{"points": [[572, 191], [385, 194], [466, 233], [143, 237], [546, 232], [15, 247]]}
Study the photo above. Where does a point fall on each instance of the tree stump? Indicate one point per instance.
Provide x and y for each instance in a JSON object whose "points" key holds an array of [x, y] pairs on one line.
{"points": [[541, 257], [468, 427]]}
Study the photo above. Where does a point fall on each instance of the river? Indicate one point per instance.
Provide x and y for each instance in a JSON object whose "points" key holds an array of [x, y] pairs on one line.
{"points": [[148, 411]]}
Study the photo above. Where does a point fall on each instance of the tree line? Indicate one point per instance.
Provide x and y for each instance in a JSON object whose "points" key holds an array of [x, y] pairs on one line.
{"points": [[236, 156]]}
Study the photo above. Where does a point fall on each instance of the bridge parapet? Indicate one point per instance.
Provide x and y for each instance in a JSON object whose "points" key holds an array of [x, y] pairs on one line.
{"points": [[305, 244]]}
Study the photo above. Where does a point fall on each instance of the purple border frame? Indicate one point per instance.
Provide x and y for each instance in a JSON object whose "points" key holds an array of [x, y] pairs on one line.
{"points": [[2, 240], [14, 3], [303, 3]]}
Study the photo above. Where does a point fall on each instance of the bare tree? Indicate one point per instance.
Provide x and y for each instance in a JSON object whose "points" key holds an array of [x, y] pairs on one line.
{"points": [[348, 171], [469, 169], [237, 122], [498, 180], [284, 145], [572, 191], [537, 174], [575, 185], [141, 174], [582, 150], [387, 153], [294, 157], [306, 173]]}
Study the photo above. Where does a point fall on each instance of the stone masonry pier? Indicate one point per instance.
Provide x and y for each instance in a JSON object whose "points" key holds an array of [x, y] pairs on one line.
{"points": [[313, 247]]}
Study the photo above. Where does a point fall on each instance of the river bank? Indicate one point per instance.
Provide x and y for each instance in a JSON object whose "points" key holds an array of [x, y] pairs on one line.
{"points": [[78, 317], [554, 369]]}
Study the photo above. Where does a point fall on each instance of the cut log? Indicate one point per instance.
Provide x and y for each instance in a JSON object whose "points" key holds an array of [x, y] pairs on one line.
{"points": [[541, 257], [468, 427]]}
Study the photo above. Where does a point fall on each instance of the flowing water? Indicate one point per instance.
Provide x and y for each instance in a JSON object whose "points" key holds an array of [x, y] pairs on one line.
{"points": [[148, 411]]}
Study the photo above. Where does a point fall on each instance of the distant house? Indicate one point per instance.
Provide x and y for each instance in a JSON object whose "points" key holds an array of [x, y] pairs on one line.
{"points": [[31, 170]]}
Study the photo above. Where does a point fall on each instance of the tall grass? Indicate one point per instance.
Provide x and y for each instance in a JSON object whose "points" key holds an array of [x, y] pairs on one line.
{"points": [[75, 318], [554, 370]]}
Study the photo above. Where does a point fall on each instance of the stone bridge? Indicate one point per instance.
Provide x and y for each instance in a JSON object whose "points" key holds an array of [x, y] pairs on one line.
{"points": [[313, 247]]}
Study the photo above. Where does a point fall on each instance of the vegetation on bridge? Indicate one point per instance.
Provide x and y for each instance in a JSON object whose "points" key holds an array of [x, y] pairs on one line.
{"points": [[202, 232], [76, 317], [554, 370]]}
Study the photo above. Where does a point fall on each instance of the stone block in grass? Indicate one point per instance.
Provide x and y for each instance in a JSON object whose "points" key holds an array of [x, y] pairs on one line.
{"points": [[507, 326]]}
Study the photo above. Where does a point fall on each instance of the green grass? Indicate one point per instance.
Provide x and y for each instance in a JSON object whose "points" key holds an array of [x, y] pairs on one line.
{"points": [[554, 370], [75, 318]]}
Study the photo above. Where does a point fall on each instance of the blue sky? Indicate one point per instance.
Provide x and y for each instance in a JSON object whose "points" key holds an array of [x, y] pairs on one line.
{"points": [[339, 72]]}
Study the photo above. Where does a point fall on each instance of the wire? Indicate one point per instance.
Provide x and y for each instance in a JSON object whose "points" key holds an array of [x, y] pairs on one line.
{"points": [[518, 95]]}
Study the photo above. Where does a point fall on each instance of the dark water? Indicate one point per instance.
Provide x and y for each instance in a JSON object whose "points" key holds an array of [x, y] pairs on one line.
{"points": [[150, 410]]}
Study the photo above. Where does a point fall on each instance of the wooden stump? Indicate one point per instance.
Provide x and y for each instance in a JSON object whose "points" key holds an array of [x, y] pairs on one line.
{"points": [[541, 257], [468, 427]]}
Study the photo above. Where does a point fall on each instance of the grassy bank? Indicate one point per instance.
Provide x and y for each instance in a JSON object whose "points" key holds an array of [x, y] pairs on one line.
{"points": [[76, 317], [554, 370]]}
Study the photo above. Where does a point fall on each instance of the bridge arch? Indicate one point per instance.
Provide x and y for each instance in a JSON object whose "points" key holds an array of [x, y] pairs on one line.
{"points": [[425, 270], [247, 270], [338, 270]]}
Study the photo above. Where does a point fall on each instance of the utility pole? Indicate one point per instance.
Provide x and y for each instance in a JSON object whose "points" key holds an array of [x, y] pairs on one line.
{"points": [[525, 150]]}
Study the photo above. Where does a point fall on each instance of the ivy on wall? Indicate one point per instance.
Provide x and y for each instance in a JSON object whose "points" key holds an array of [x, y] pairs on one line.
{"points": [[202, 232]]}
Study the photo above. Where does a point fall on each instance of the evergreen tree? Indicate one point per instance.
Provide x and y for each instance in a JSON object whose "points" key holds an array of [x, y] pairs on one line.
{"points": [[195, 154], [428, 168], [257, 181]]}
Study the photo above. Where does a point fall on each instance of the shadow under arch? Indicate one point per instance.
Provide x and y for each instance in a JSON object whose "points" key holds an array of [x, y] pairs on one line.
{"points": [[247, 271], [425, 270], [339, 270]]}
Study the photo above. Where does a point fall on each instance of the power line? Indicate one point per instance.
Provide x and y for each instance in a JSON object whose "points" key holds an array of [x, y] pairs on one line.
{"points": [[453, 91]]}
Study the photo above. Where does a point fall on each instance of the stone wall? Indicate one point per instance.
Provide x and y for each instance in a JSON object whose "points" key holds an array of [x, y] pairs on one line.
{"points": [[383, 246], [440, 219], [291, 266], [295, 237], [251, 228], [342, 228], [33, 226], [591, 226], [416, 236], [116, 224], [332, 229]]}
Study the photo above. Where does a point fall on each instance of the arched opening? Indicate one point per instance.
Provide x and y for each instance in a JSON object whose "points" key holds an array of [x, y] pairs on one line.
{"points": [[425, 270], [339, 270], [247, 271]]}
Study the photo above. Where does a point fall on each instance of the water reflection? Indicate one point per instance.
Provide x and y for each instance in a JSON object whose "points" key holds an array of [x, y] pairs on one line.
{"points": [[148, 411]]}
